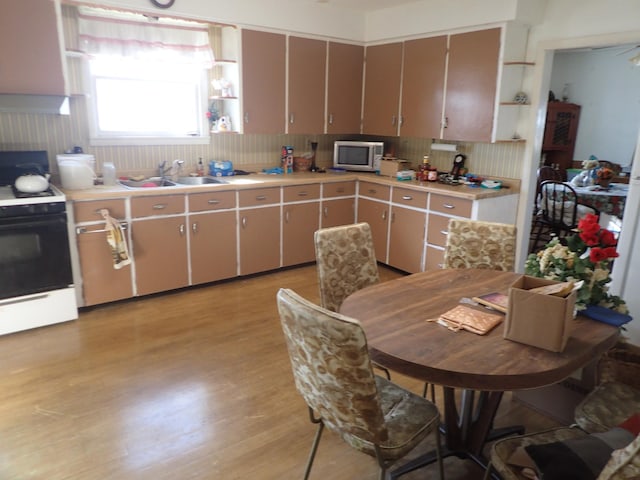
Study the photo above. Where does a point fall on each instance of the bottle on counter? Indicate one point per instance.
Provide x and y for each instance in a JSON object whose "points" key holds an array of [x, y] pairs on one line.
{"points": [[200, 168], [432, 174], [423, 174]]}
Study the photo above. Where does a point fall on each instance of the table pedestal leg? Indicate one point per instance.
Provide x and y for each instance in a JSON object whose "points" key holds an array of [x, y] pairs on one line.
{"points": [[466, 430]]}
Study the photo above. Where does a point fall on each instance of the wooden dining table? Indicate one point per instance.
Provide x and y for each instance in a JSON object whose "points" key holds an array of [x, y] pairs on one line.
{"points": [[395, 314]]}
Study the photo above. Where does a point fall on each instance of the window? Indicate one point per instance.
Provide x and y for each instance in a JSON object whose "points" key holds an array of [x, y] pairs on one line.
{"points": [[148, 78]]}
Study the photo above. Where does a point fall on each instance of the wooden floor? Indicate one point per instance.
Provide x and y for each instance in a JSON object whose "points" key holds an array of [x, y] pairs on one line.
{"points": [[194, 384]]}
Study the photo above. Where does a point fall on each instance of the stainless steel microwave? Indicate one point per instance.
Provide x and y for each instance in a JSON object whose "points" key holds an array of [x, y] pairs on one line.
{"points": [[357, 155]]}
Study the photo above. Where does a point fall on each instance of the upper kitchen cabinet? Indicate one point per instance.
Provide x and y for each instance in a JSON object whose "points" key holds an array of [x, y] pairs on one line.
{"points": [[263, 82], [307, 67], [472, 72], [31, 48], [382, 89], [423, 86], [344, 88]]}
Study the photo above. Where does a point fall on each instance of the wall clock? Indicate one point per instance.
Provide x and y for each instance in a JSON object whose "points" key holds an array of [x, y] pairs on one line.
{"points": [[163, 3]]}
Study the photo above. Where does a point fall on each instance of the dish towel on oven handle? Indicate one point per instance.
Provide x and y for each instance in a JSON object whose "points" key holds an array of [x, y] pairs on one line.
{"points": [[116, 240]]}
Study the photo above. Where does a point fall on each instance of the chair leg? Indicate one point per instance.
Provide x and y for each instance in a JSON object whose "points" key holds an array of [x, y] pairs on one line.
{"points": [[487, 472], [314, 448], [433, 391], [384, 369], [439, 452]]}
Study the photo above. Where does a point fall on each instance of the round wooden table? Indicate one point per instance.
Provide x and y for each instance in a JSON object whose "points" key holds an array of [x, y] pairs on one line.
{"points": [[394, 317]]}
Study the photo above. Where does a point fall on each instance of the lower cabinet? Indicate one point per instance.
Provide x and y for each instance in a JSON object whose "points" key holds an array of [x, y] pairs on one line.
{"points": [[299, 223], [213, 246], [259, 239], [340, 211], [160, 253], [406, 239], [376, 214]]}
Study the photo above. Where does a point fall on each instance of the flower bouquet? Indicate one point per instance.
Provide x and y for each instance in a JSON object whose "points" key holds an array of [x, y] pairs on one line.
{"points": [[604, 176], [586, 257]]}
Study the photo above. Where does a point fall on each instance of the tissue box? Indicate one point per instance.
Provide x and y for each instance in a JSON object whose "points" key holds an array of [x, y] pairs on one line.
{"points": [[221, 169], [389, 168], [536, 319]]}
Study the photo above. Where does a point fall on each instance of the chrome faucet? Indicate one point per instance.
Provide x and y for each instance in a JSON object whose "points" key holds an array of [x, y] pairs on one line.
{"points": [[172, 171]]}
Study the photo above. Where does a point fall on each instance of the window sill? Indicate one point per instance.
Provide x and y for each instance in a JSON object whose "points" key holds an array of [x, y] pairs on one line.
{"points": [[127, 141]]}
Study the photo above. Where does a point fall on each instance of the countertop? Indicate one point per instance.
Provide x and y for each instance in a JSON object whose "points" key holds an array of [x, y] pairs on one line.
{"points": [[242, 182]]}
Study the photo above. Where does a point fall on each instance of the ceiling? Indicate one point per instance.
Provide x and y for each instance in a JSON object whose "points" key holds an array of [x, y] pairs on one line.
{"points": [[365, 5]]}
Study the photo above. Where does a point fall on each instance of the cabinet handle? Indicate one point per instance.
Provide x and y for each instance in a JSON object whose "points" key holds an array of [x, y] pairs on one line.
{"points": [[82, 230], [244, 222], [393, 120], [213, 201], [181, 229], [393, 217], [159, 206], [444, 232], [340, 190], [331, 119], [401, 120], [246, 117], [261, 197], [449, 206], [440, 265], [445, 122], [372, 191], [292, 118], [325, 211], [384, 214], [286, 216], [302, 194], [407, 197], [194, 227]]}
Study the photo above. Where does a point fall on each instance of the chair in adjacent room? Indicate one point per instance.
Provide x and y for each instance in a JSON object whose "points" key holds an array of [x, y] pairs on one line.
{"points": [[333, 373], [478, 244], [616, 396], [346, 262]]}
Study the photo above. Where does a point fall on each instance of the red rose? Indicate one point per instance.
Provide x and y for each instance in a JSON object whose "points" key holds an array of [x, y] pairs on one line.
{"points": [[610, 252], [588, 221], [607, 238], [597, 254], [590, 239]]}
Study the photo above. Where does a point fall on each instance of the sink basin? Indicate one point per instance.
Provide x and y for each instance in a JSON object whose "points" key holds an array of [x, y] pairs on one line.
{"points": [[199, 180], [153, 182]]}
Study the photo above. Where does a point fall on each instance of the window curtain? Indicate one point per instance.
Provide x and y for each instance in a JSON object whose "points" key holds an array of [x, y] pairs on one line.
{"points": [[136, 36]]}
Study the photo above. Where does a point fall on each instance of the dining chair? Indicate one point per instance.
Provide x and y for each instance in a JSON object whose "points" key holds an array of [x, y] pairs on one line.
{"points": [[569, 449], [333, 373], [560, 210], [479, 244], [346, 262], [544, 173], [617, 395]]}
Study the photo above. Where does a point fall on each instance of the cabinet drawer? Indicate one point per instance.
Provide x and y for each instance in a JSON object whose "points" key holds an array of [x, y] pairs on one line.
{"points": [[258, 196], [413, 198], [201, 202], [90, 211], [373, 190], [338, 189], [437, 229], [157, 205], [451, 205], [434, 259], [296, 193]]}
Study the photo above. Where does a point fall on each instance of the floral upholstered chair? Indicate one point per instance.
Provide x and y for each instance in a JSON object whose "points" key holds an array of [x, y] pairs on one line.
{"points": [[478, 244], [617, 395], [333, 373], [346, 263], [566, 453]]}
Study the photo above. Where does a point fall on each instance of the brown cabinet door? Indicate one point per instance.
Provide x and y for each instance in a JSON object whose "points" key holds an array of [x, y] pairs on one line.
{"points": [[213, 248], [434, 259], [263, 82], [307, 66], [471, 85], [406, 239], [299, 223], [336, 212], [376, 214], [160, 254], [382, 89], [259, 239], [100, 281], [31, 61], [344, 88], [423, 87]]}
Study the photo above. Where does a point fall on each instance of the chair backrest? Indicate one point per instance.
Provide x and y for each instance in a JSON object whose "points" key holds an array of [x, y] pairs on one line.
{"points": [[346, 262], [559, 205], [546, 173], [331, 367], [478, 244]]}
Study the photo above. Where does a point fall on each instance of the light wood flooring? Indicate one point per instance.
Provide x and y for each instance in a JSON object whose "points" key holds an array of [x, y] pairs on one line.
{"points": [[192, 384]]}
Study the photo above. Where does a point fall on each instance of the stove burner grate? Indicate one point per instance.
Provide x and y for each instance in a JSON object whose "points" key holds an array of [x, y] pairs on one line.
{"points": [[18, 194]]}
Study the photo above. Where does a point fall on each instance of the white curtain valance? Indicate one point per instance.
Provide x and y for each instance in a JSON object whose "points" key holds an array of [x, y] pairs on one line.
{"points": [[124, 34]]}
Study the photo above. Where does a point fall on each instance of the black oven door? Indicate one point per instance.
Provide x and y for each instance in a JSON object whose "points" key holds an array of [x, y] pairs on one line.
{"points": [[34, 255]]}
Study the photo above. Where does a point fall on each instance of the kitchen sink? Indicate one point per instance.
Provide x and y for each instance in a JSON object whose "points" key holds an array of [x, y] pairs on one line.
{"points": [[152, 182], [199, 180]]}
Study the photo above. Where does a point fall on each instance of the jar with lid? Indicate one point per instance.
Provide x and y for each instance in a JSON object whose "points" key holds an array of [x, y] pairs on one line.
{"points": [[432, 174]]}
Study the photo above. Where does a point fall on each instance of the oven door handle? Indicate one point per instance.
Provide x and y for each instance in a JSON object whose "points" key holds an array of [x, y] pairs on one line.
{"points": [[24, 298]]}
